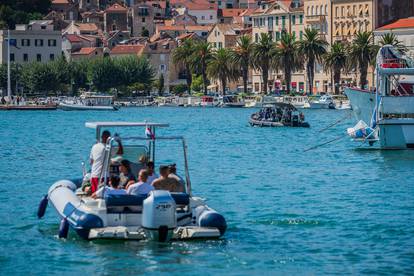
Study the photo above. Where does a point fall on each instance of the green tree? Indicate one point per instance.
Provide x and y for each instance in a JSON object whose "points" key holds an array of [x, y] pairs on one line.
{"points": [[197, 83], [132, 69], [287, 57], [200, 58], [180, 89], [160, 84], [39, 78], [336, 61], [241, 56], [79, 75], [62, 72], [221, 67], [312, 48], [104, 74], [182, 56], [263, 53], [15, 72], [362, 53], [14, 12], [391, 39]]}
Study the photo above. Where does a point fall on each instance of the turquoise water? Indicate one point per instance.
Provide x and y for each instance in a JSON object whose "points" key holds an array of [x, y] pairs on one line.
{"points": [[334, 210]]}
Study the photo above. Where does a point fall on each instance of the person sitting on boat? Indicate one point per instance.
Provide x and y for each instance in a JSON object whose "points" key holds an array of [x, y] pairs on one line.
{"points": [[113, 189], [167, 183], [173, 174], [142, 187], [97, 158], [151, 173], [126, 176]]}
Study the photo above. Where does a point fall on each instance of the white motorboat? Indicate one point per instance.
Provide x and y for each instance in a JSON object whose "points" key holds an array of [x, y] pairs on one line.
{"points": [[160, 216], [89, 101], [209, 101], [168, 101], [297, 101], [232, 101], [324, 102], [261, 101], [386, 116]]}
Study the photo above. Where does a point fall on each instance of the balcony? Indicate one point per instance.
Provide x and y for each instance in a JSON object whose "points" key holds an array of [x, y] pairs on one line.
{"points": [[315, 18]]}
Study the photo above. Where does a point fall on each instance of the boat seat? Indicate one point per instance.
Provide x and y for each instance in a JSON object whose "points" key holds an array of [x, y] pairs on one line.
{"points": [[181, 198]]}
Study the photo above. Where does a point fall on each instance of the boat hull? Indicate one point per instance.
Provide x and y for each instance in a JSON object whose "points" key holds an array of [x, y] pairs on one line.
{"points": [[28, 107], [260, 123], [117, 219], [316, 105], [72, 107]]}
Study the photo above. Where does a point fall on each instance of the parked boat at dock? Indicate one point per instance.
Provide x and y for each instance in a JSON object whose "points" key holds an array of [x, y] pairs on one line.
{"points": [[232, 101], [89, 101], [324, 102], [386, 116]]}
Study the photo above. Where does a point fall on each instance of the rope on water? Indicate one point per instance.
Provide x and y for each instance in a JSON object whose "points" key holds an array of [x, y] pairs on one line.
{"points": [[325, 143], [337, 122]]}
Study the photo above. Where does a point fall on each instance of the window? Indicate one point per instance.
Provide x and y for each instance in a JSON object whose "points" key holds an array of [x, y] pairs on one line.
{"points": [[25, 57], [39, 57], [312, 10], [300, 35], [52, 57], [270, 21], [301, 19], [277, 20], [25, 42], [143, 19], [220, 45], [307, 11], [113, 27], [317, 10], [294, 34], [51, 42], [336, 12], [163, 67], [11, 57], [203, 17], [39, 42], [211, 17], [283, 21], [162, 57], [256, 37], [293, 19], [277, 36], [43, 27], [204, 33]]}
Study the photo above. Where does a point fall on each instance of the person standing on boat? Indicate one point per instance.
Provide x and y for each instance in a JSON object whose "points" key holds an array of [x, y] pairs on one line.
{"points": [[97, 159]]}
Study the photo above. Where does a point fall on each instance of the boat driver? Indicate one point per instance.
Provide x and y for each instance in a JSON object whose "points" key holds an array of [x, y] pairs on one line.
{"points": [[167, 183], [97, 158]]}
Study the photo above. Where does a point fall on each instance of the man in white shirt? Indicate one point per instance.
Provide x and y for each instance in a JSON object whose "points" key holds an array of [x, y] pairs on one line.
{"points": [[151, 173], [142, 187], [97, 159], [111, 190]]}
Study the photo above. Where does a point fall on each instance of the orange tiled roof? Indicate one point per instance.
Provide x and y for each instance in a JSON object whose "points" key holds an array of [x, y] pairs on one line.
{"points": [[89, 27], [399, 24], [195, 4], [128, 49], [73, 38], [116, 8], [247, 12], [231, 12], [85, 51]]}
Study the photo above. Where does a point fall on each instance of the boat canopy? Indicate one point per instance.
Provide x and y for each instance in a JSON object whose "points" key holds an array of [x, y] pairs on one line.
{"points": [[99, 125]]}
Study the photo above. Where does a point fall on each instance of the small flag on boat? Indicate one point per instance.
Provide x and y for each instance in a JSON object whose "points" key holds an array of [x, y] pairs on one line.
{"points": [[149, 133]]}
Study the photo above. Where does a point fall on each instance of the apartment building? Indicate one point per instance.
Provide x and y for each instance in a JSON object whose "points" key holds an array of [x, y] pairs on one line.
{"points": [[274, 18], [224, 35], [36, 41], [318, 16]]}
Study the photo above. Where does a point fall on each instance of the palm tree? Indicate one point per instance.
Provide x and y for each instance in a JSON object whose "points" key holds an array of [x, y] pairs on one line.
{"points": [[182, 57], [222, 68], [200, 58], [241, 56], [362, 53], [312, 48], [336, 61], [262, 55], [287, 57], [391, 39]]}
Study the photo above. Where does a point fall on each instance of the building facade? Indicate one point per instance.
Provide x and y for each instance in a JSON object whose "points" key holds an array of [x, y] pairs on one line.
{"points": [[36, 41], [274, 18], [116, 18], [388, 11]]}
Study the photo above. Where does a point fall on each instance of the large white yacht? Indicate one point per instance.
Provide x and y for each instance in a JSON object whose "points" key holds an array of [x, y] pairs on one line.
{"points": [[386, 115]]}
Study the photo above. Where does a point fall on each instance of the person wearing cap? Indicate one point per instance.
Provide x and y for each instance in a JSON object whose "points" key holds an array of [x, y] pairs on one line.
{"points": [[125, 174], [166, 183], [97, 158], [142, 187]]}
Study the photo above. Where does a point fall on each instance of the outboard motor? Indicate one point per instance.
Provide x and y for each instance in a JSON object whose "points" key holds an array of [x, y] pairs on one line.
{"points": [[158, 216]]}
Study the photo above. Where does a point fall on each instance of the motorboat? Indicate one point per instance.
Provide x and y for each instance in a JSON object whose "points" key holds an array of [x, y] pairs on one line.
{"points": [[385, 116], [168, 101], [324, 102], [260, 101], [297, 101], [232, 101], [278, 115], [209, 101], [161, 215], [89, 101]]}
